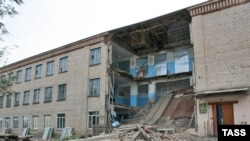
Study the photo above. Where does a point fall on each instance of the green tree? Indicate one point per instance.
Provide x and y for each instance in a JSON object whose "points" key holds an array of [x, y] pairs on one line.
{"points": [[7, 8]]}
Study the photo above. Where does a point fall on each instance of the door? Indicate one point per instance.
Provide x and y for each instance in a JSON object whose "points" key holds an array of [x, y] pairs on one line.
{"points": [[222, 115]]}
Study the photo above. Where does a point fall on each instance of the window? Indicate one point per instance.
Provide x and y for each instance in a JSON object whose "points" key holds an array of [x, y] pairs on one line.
{"points": [[35, 122], [95, 56], [26, 97], [47, 121], [25, 122], [124, 92], [3, 80], [63, 64], [50, 69], [1, 101], [48, 94], [143, 90], [181, 61], [8, 100], [28, 74], [11, 78], [15, 122], [94, 87], [7, 122], [61, 92], [38, 72], [36, 96], [17, 99], [19, 76], [60, 121], [93, 119], [1, 122], [160, 64]]}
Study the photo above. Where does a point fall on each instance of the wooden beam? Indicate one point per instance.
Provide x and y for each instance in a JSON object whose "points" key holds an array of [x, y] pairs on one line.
{"points": [[144, 134]]}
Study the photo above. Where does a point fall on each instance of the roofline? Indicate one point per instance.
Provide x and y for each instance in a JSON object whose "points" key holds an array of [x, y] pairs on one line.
{"points": [[57, 51]]}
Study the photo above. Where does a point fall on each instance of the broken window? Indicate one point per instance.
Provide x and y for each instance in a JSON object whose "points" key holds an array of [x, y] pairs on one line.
{"points": [[60, 121], [94, 87], [124, 65], [48, 94], [141, 67], [26, 97], [143, 90], [160, 67], [25, 122], [15, 122], [36, 96], [38, 73], [61, 92], [124, 92], [28, 74], [63, 64], [95, 56], [93, 119]]}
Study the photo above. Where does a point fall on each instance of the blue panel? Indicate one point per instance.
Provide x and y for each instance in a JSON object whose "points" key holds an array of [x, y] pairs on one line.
{"points": [[150, 95], [150, 71], [191, 60], [133, 72], [142, 101], [171, 67], [133, 100], [119, 99]]}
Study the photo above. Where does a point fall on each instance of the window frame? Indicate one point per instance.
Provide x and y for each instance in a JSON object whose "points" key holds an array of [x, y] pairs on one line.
{"points": [[25, 122], [60, 121], [63, 66], [47, 121], [17, 99], [38, 71], [11, 78], [19, 76], [36, 97], [28, 74], [95, 56], [35, 121], [93, 115], [26, 97], [8, 100], [62, 96], [50, 94], [94, 87], [1, 101], [15, 122], [7, 122], [50, 68]]}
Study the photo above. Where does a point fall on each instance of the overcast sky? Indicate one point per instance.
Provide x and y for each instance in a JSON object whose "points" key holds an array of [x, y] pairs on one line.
{"points": [[43, 25]]}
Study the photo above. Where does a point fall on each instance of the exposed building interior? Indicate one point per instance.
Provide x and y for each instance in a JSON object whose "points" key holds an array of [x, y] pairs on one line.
{"points": [[150, 59]]}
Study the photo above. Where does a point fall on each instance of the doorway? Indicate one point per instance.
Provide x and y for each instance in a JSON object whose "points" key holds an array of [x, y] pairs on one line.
{"points": [[222, 115]]}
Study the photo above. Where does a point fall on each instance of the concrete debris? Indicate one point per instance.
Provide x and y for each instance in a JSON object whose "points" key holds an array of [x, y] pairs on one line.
{"points": [[149, 133]]}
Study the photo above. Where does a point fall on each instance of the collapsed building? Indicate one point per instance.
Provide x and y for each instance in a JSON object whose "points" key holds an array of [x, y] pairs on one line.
{"points": [[108, 77]]}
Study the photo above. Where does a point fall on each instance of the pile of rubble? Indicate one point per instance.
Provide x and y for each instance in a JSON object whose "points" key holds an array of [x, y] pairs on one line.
{"points": [[149, 133]]}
